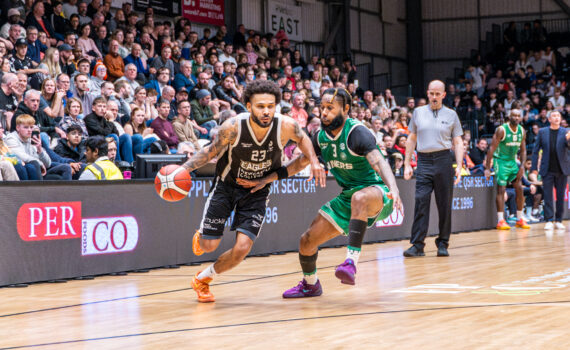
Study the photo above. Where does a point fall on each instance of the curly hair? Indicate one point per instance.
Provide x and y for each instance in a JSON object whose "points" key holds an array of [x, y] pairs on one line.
{"points": [[262, 87]]}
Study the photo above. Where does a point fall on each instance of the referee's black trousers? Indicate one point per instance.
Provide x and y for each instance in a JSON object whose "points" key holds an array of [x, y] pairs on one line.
{"points": [[434, 174]]}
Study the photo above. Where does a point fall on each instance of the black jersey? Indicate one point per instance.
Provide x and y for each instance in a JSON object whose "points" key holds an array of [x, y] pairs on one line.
{"points": [[248, 158]]}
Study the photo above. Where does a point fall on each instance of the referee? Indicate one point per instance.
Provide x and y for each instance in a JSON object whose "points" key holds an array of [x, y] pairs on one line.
{"points": [[432, 129]]}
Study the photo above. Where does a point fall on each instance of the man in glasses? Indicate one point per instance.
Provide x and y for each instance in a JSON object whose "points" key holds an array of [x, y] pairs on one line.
{"points": [[508, 140]]}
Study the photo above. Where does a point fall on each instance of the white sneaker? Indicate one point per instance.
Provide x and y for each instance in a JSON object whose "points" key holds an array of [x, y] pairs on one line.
{"points": [[560, 226], [549, 226]]}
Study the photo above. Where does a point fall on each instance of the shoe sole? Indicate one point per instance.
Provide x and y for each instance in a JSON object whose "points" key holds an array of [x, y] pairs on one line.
{"points": [[525, 227], [407, 255], [344, 277], [196, 244], [442, 254], [304, 296], [504, 228]]}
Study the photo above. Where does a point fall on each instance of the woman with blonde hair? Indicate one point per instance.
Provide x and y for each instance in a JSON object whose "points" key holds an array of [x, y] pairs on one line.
{"points": [[51, 63], [51, 100], [141, 101]]}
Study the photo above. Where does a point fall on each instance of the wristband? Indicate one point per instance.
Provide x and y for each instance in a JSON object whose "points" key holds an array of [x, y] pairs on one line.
{"points": [[282, 173]]}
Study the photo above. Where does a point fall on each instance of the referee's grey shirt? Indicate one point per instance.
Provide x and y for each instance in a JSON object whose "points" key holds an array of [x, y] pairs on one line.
{"points": [[434, 129]]}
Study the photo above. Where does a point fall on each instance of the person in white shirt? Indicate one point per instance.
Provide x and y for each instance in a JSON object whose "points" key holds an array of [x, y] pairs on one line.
{"points": [[558, 101]]}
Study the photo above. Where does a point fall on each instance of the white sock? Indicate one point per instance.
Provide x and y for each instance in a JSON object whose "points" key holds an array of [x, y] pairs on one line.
{"points": [[353, 253], [208, 272], [519, 214], [311, 279], [500, 216]]}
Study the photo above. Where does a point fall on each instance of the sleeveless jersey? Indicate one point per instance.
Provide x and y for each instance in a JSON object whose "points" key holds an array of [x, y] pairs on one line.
{"points": [[510, 144], [248, 158], [348, 168]]}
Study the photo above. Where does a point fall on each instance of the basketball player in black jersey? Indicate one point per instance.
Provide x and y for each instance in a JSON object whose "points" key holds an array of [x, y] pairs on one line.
{"points": [[248, 146]]}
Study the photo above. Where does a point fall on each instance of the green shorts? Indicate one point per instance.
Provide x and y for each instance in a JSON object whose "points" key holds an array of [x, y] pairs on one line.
{"points": [[506, 171], [338, 212]]}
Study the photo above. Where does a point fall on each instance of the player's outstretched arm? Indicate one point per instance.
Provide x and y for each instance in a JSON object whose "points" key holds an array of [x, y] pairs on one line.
{"points": [[227, 135], [292, 131], [383, 169]]}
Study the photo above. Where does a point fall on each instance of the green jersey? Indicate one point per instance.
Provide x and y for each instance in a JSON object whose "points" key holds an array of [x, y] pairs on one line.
{"points": [[510, 144], [348, 168]]}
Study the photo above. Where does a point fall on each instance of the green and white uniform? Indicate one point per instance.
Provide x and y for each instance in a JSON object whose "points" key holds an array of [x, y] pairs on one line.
{"points": [[352, 172], [505, 156]]}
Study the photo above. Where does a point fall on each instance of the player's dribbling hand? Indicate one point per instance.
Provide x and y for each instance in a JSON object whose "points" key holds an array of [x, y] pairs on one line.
{"points": [[457, 175], [319, 174], [408, 172]]}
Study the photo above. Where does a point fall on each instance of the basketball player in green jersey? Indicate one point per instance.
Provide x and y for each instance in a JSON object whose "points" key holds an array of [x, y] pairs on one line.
{"points": [[508, 139], [369, 191]]}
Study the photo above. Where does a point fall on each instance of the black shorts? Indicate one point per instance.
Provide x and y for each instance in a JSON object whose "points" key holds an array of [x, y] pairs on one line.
{"points": [[249, 210]]}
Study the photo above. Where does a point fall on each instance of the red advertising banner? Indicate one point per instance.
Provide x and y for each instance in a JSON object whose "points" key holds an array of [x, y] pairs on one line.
{"points": [[204, 11]]}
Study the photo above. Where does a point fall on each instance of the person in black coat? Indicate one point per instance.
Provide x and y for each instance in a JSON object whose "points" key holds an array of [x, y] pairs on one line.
{"points": [[74, 146]]}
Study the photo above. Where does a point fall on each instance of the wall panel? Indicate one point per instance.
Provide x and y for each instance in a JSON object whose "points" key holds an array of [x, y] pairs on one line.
{"points": [[439, 70], [450, 39], [499, 7], [313, 23], [370, 5], [354, 30], [436, 9], [395, 40], [252, 14], [381, 65], [371, 29]]}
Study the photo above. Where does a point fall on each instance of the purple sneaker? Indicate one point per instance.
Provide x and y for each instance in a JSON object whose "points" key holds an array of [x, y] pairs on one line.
{"points": [[303, 290], [345, 272]]}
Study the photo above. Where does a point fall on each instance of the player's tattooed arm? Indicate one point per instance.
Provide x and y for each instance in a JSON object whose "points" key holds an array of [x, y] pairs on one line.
{"points": [[226, 136], [294, 132], [381, 166]]}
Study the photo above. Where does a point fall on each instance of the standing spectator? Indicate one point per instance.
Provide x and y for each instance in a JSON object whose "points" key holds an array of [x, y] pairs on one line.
{"points": [[554, 143], [434, 141], [37, 19], [239, 37]]}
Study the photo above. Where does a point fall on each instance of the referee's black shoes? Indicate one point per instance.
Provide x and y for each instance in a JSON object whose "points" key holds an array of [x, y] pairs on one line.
{"points": [[414, 251], [442, 250]]}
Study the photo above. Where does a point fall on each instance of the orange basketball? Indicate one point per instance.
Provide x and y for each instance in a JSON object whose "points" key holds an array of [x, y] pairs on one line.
{"points": [[172, 183]]}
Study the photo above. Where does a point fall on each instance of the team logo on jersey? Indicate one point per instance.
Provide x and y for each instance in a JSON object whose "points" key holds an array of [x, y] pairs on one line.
{"points": [[342, 147], [270, 146], [514, 137], [343, 155], [246, 145]]}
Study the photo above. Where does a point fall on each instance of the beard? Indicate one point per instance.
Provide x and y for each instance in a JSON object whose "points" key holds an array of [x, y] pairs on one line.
{"points": [[258, 121], [334, 124]]}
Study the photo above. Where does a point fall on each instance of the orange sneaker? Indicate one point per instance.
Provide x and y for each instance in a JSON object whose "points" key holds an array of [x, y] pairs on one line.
{"points": [[502, 225], [522, 224], [196, 244], [202, 288]]}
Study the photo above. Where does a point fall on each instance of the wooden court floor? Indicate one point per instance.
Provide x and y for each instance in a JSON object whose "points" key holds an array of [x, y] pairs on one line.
{"points": [[497, 290]]}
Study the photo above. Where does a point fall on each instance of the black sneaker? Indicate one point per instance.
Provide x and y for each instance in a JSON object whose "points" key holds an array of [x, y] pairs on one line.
{"points": [[413, 251], [442, 251]]}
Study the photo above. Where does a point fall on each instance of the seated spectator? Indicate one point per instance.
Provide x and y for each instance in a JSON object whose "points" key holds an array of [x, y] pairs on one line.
{"points": [[98, 125], [162, 127], [163, 61], [298, 112], [227, 91], [98, 77], [8, 100], [28, 148], [477, 156], [82, 92], [122, 93], [202, 113], [72, 111], [130, 77], [100, 167], [136, 127], [162, 80], [30, 106], [8, 161], [184, 79], [36, 18], [136, 58], [114, 62], [88, 47], [142, 101], [22, 63], [73, 146], [51, 100], [183, 125], [101, 40], [397, 164]]}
